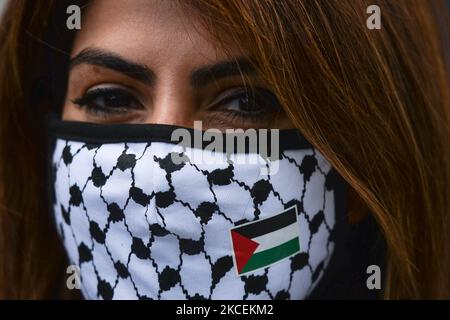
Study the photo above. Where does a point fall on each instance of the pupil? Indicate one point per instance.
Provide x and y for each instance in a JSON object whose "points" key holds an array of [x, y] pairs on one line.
{"points": [[245, 104], [114, 100]]}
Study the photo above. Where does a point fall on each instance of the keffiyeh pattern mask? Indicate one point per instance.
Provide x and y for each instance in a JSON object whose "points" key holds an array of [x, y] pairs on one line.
{"points": [[140, 225]]}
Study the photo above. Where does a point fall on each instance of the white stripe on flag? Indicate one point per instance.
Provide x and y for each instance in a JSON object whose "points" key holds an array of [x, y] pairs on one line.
{"points": [[275, 238]]}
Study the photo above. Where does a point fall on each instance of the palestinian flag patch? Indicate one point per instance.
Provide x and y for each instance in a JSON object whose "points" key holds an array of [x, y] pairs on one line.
{"points": [[261, 243]]}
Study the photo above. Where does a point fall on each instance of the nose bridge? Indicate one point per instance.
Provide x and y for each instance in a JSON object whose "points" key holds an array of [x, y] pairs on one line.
{"points": [[173, 102]]}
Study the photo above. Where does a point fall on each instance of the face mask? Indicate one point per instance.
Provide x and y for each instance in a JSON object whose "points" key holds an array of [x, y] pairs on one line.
{"points": [[141, 224]]}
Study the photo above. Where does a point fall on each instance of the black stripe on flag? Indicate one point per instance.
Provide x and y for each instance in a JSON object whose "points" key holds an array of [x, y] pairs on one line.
{"points": [[258, 228]]}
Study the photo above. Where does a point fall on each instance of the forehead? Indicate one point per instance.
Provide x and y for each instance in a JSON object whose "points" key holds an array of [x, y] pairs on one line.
{"points": [[154, 32]]}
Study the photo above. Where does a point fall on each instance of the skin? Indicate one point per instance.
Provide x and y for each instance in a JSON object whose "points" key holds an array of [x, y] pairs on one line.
{"points": [[170, 42]]}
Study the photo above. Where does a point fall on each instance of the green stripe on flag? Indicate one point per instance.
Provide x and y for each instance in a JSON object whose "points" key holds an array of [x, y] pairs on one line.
{"points": [[267, 257]]}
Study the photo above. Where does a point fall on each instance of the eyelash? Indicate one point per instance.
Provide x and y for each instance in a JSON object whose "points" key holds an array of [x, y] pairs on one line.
{"points": [[263, 102], [125, 101], [260, 98]]}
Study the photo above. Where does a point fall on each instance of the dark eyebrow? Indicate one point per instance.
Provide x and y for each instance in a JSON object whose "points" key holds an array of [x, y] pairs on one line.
{"points": [[113, 61], [208, 74], [199, 77]]}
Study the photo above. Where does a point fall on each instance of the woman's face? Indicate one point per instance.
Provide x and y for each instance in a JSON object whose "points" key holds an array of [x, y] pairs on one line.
{"points": [[147, 61]]}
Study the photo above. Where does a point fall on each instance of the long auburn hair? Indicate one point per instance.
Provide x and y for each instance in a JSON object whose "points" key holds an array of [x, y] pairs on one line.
{"points": [[376, 103]]}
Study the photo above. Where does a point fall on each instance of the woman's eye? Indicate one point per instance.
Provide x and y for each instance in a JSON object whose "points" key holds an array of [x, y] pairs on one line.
{"points": [[108, 101], [248, 104]]}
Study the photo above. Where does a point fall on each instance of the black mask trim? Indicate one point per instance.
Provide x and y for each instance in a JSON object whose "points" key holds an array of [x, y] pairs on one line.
{"points": [[290, 139]]}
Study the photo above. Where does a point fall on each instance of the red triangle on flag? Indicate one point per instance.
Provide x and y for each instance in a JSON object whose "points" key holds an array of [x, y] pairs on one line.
{"points": [[243, 249]]}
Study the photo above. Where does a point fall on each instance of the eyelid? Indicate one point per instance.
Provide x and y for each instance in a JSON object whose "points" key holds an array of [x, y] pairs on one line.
{"points": [[234, 93], [109, 86], [104, 111], [112, 86], [230, 93]]}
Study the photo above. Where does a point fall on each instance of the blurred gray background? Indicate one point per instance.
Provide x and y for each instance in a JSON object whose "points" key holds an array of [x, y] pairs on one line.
{"points": [[2, 5]]}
